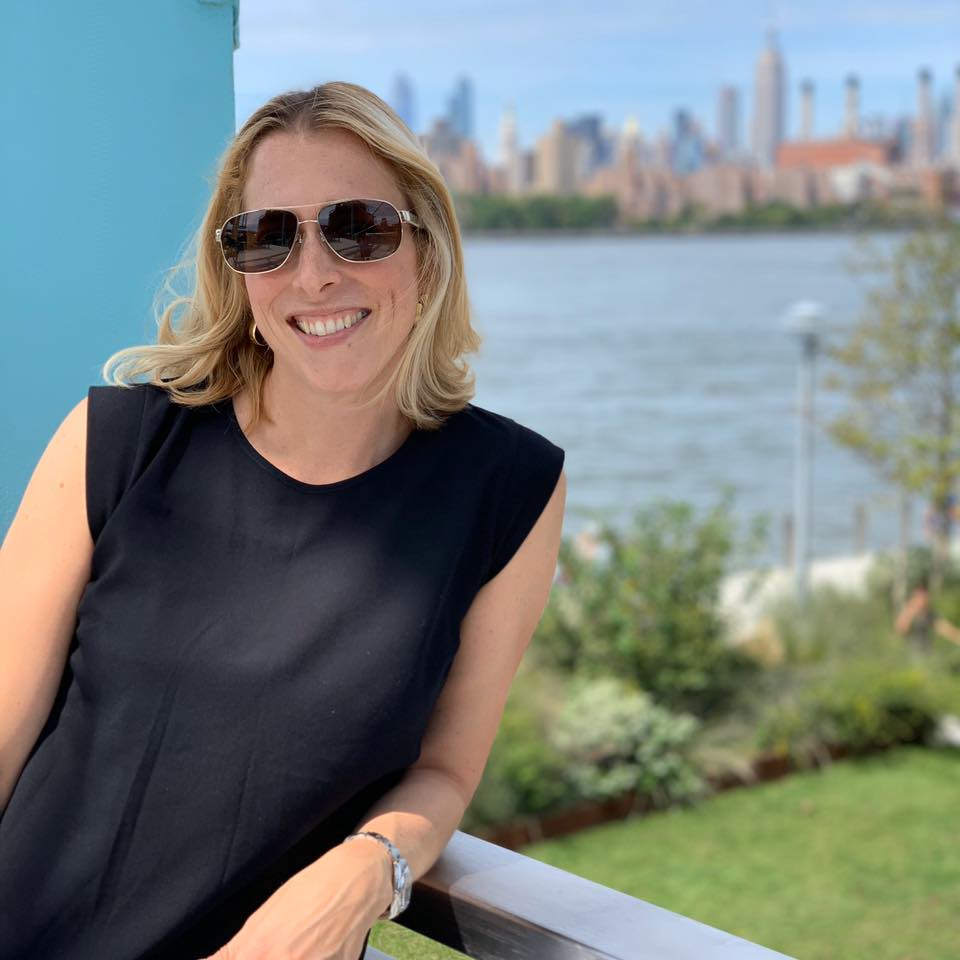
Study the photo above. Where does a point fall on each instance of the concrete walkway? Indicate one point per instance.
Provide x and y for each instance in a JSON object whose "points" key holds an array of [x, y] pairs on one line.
{"points": [[742, 609]]}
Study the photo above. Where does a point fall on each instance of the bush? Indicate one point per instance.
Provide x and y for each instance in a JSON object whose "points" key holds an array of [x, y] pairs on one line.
{"points": [[865, 704], [616, 739], [649, 613]]}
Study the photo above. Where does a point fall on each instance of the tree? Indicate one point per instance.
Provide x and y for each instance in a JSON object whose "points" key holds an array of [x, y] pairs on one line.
{"points": [[899, 368]]}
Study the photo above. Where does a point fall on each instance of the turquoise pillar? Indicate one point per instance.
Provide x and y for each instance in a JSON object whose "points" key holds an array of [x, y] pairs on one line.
{"points": [[114, 114]]}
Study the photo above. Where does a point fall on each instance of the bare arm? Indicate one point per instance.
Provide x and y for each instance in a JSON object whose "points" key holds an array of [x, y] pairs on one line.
{"points": [[44, 567], [910, 609], [947, 630]]}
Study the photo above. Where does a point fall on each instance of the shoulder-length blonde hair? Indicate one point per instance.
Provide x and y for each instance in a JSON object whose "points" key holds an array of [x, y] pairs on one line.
{"points": [[208, 355]]}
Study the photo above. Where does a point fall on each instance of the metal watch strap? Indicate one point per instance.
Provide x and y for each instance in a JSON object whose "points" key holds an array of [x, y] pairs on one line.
{"points": [[401, 874]]}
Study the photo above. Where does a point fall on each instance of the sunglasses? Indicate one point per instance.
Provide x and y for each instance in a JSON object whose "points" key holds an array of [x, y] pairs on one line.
{"points": [[358, 231]]}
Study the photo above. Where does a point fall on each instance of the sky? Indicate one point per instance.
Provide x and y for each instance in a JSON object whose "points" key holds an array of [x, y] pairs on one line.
{"points": [[642, 59]]}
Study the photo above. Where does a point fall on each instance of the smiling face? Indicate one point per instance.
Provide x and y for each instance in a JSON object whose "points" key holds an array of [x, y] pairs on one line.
{"points": [[306, 171]]}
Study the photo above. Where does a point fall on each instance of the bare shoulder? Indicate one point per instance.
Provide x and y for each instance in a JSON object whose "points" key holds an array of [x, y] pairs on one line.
{"points": [[44, 567], [53, 507]]}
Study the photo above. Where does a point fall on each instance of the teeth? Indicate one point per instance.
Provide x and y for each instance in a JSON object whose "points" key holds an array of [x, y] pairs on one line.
{"points": [[320, 328]]}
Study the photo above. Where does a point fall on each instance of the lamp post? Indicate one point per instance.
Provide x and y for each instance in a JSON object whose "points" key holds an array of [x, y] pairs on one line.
{"points": [[803, 320]]}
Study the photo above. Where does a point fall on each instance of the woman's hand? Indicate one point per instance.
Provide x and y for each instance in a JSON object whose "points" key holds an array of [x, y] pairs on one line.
{"points": [[321, 913]]}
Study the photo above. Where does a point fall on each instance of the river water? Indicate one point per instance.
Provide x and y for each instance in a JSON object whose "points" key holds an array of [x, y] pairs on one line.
{"points": [[662, 366]]}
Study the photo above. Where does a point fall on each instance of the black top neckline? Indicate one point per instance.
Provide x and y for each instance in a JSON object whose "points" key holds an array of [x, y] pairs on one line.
{"points": [[378, 469]]}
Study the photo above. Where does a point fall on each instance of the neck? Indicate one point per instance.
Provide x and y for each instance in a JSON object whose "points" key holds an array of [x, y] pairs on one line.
{"points": [[322, 437]]}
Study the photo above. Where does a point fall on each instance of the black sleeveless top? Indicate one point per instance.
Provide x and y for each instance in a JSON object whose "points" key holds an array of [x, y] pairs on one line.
{"points": [[254, 664]]}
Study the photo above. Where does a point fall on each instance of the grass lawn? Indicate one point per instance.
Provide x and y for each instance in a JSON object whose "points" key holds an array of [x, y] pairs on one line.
{"points": [[861, 860]]}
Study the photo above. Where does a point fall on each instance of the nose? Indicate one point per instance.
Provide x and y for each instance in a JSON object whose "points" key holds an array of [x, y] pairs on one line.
{"points": [[315, 264]]}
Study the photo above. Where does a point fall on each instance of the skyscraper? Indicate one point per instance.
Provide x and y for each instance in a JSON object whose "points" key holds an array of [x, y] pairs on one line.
{"points": [[924, 128], [806, 110], [630, 145], [402, 101], [687, 144], [460, 108], [769, 113], [511, 156], [560, 161], [728, 123], [955, 125], [589, 128], [942, 138], [851, 117]]}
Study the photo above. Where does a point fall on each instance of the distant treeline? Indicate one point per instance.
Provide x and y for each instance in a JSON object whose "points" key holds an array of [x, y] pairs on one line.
{"points": [[542, 212], [481, 212]]}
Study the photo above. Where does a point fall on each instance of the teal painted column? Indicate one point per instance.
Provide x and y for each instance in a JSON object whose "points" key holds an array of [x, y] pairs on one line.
{"points": [[114, 114]]}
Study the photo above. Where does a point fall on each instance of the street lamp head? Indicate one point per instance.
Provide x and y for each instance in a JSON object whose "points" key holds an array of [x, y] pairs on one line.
{"points": [[804, 319]]}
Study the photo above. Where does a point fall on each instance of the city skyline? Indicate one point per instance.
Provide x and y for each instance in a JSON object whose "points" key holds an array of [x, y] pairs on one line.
{"points": [[625, 65]]}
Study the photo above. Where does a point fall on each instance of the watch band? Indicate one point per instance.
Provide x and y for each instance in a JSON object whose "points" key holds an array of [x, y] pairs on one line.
{"points": [[402, 882]]}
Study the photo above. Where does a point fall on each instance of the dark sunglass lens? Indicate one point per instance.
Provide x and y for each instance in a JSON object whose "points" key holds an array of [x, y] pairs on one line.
{"points": [[259, 240], [362, 229]]}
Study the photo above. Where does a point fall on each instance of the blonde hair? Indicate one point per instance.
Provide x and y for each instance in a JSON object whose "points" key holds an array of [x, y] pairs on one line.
{"points": [[209, 356]]}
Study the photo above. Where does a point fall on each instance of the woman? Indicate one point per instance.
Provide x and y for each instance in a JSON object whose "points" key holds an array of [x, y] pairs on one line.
{"points": [[275, 595]]}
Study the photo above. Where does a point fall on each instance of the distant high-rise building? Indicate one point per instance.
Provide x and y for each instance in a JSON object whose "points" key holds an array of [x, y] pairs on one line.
{"points": [[590, 129], [903, 138], [630, 149], [851, 116], [955, 125], [511, 156], [460, 108], [441, 140], [687, 144], [924, 129], [728, 123], [876, 126], [806, 110], [458, 159], [403, 102], [507, 136], [769, 114], [942, 138], [560, 161], [608, 140]]}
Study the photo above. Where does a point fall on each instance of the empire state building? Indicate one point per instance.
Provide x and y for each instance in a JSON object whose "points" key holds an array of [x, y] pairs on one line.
{"points": [[769, 122]]}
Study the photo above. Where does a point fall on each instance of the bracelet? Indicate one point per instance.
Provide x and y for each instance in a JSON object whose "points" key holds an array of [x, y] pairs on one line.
{"points": [[401, 874]]}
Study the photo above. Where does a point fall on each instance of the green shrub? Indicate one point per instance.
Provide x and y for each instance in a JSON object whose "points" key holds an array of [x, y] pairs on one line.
{"points": [[864, 704], [616, 739], [649, 611]]}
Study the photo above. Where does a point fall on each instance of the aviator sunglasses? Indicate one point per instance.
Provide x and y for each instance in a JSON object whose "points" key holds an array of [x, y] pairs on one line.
{"points": [[358, 231]]}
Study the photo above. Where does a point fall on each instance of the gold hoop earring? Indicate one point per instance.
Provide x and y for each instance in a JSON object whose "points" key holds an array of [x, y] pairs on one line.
{"points": [[252, 332], [419, 310]]}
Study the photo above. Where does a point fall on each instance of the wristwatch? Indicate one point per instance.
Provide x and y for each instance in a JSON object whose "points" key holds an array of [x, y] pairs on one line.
{"points": [[402, 881]]}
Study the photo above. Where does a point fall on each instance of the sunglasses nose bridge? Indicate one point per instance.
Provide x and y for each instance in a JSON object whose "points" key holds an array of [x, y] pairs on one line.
{"points": [[298, 237]]}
